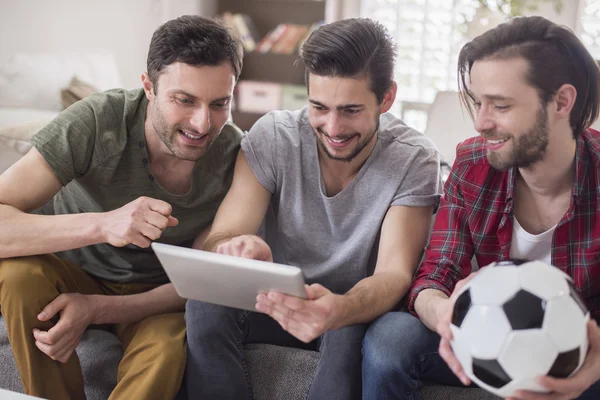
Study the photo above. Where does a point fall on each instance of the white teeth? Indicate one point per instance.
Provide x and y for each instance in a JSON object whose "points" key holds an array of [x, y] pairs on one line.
{"points": [[338, 140], [497, 141], [190, 136]]}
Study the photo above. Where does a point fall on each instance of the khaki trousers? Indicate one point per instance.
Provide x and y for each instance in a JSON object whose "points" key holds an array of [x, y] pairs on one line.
{"points": [[154, 348]]}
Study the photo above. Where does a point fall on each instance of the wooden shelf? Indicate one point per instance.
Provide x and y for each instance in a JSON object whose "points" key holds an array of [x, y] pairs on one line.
{"points": [[268, 14], [272, 67]]}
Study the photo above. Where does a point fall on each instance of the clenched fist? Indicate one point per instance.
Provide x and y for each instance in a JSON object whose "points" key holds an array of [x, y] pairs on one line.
{"points": [[139, 222]]}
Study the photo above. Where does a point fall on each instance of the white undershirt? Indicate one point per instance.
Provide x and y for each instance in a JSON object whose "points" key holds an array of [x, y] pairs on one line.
{"points": [[531, 247]]}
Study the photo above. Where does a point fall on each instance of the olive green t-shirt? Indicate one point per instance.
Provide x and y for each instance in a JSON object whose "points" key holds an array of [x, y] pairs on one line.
{"points": [[97, 149]]}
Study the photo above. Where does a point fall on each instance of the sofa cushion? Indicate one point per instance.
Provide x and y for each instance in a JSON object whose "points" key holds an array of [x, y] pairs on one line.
{"points": [[14, 141], [75, 91]]}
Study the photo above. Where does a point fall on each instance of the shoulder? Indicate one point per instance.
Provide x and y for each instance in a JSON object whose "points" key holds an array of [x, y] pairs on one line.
{"points": [[398, 137], [281, 126], [115, 103], [471, 152], [592, 141]]}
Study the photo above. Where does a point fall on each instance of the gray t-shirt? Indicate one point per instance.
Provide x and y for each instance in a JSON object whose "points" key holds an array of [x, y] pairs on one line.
{"points": [[97, 149], [334, 239]]}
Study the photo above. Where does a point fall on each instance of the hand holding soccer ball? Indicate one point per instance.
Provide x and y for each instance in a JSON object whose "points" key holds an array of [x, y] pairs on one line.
{"points": [[516, 321]]}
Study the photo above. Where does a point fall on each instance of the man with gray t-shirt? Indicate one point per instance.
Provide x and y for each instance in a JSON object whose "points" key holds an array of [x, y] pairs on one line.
{"points": [[346, 192]]}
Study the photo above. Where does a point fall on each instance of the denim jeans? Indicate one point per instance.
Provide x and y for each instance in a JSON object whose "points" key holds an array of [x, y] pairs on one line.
{"points": [[216, 367], [399, 352]]}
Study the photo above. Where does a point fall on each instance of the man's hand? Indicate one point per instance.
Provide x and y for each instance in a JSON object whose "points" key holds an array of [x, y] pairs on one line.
{"points": [[138, 222], [76, 313], [304, 319], [444, 313], [246, 246], [573, 387]]}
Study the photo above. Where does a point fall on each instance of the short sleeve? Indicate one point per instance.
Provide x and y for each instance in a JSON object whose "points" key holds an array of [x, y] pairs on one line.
{"points": [[259, 147], [422, 184], [67, 143]]}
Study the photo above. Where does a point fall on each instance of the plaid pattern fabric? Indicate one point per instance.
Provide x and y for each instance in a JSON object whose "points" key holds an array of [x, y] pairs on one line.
{"points": [[475, 217]]}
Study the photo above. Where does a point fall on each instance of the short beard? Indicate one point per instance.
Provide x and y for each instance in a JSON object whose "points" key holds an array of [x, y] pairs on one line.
{"points": [[529, 149], [162, 129], [354, 153]]}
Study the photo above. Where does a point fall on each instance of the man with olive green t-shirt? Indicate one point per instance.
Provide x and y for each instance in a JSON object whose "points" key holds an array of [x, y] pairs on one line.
{"points": [[123, 169]]}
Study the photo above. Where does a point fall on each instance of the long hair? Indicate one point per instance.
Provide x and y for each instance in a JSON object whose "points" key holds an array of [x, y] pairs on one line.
{"points": [[555, 57]]}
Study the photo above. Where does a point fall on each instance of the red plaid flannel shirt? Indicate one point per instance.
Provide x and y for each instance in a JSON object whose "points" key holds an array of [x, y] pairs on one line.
{"points": [[475, 217]]}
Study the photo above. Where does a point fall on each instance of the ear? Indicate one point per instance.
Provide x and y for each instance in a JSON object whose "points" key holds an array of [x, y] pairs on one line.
{"points": [[564, 100], [388, 97], [148, 87]]}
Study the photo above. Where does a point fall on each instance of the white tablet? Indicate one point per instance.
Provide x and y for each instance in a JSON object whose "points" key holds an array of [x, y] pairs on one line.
{"points": [[226, 280]]}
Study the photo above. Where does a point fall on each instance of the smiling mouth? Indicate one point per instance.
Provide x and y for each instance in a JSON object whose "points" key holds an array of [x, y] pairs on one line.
{"points": [[191, 136], [339, 141], [498, 141]]}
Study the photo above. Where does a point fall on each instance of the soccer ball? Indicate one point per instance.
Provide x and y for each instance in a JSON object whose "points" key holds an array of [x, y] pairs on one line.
{"points": [[517, 320]]}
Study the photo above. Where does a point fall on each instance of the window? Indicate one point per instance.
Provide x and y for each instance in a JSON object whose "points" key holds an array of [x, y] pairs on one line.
{"points": [[590, 27], [429, 34]]}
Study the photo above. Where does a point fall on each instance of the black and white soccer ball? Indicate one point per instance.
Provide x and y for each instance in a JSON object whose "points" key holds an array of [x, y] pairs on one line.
{"points": [[517, 320]]}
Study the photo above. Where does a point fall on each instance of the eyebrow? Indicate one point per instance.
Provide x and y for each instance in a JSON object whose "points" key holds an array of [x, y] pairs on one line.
{"points": [[497, 97], [179, 91], [340, 107]]}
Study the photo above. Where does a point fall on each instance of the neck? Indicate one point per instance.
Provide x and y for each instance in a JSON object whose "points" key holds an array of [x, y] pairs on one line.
{"points": [[554, 174]]}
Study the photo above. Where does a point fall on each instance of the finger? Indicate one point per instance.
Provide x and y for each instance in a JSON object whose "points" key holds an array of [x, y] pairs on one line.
{"points": [[68, 350], [54, 307], [302, 316], [448, 356], [42, 336], [150, 232], [44, 348], [141, 241], [526, 395], [576, 383], [159, 206], [316, 291], [294, 303], [157, 220], [173, 221]]}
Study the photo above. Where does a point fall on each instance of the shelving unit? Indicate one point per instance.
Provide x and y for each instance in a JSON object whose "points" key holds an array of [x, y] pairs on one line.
{"points": [[271, 67]]}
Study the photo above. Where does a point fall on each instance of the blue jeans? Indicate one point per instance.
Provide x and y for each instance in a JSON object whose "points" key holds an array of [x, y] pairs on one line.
{"points": [[216, 367], [399, 352]]}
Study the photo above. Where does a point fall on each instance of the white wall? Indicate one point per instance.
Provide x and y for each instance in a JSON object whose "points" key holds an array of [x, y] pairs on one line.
{"points": [[123, 27]]}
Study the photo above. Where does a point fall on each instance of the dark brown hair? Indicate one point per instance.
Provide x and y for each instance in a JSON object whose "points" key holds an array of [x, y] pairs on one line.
{"points": [[352, 48], [192, 40], [555, 57]]}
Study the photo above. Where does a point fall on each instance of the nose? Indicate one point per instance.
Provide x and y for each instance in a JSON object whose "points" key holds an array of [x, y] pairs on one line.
{"points": [[334, 126], [483, 121], [201, 119]]}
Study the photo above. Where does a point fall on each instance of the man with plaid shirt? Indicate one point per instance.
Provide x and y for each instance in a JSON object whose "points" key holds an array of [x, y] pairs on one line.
{"points": [[527, 187]]}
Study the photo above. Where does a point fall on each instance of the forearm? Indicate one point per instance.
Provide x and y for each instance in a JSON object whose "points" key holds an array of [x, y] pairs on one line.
{"points": [[371, 297], [427, 306], [130, 308], [23, 234]]}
